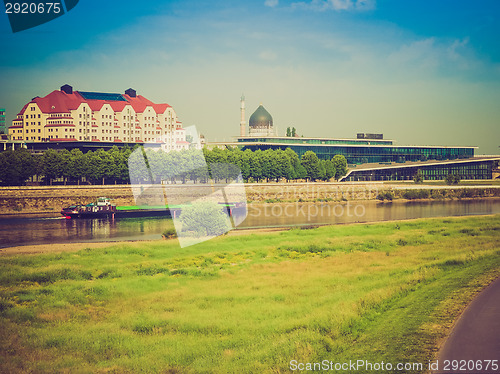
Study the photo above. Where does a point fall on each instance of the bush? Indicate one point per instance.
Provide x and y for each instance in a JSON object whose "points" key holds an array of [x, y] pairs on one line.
{"points": [[416, 194], [169, 233], [418, 178], [385, 195], [205, 218], [452, 179]]}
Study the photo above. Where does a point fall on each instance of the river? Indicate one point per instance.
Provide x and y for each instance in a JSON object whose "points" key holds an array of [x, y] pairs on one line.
{"points": [[27, 231]]}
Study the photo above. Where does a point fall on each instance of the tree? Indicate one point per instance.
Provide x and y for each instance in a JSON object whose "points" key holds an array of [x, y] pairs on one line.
{"points": [[288, 132], [418, 177], [284, 168], [52, 165], [294, 162], [16, 167], [329, 169], [78, 164], [294, 132], [340, 164], [255, 169], [452, 179], [301, 172], [136, 166], [311, 163], [322, 170], [205, 218]]}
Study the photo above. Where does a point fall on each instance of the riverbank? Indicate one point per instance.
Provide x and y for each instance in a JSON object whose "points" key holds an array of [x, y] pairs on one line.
{"points": [[49, 200], [375, 292]]}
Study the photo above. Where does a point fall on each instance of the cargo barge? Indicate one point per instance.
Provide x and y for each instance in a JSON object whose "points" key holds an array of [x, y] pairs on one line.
{"points": [[103, 208]]}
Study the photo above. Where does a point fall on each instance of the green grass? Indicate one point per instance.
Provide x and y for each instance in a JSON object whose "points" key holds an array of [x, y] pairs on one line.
{"points": [[245, 303]]}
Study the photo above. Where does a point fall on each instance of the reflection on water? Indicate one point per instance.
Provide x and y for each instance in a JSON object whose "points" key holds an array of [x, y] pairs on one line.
{"points": [[24, 231], [361, 211]]}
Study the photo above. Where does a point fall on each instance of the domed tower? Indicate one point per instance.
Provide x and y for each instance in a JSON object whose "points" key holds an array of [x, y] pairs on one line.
{"points": [[261, 123]]}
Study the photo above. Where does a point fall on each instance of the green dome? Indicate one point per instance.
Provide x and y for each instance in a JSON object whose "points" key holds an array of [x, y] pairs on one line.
{"points": [[261, 118]]}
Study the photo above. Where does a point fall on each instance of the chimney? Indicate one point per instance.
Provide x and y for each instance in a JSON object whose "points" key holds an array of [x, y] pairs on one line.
{"points": [[131, 92], [67, 89]]}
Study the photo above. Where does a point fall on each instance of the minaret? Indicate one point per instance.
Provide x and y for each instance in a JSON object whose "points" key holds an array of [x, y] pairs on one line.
{"points": [[242, 123]]}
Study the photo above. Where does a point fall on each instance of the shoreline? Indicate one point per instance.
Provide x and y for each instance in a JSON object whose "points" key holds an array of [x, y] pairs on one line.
{"points": [[49, 200], [51, 214], [33, 249]]}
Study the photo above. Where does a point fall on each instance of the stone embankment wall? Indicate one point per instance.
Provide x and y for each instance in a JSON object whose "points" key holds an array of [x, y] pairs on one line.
{"points": [[53, 199], [50, 199]]}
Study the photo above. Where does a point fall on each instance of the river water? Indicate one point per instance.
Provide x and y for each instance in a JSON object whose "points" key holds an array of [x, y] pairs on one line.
{"points": [[25, 231]]}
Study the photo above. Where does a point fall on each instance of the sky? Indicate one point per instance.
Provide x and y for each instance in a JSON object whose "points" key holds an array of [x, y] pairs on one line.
{"points": [[420, 72]]}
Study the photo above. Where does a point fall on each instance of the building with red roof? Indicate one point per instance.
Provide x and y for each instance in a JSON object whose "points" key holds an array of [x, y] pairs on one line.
{"points": [[94, 117]]}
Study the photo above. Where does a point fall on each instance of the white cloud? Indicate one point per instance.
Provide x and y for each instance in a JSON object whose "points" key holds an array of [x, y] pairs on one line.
{"points": [[338, 5], [271, 3], [267, 55], [432, 53]]}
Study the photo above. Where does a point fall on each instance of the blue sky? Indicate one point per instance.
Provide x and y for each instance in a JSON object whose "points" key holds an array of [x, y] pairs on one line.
{"points": [[421, 72]]}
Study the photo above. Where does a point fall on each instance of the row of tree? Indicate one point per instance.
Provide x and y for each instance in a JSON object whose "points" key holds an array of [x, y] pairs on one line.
{"points": [[137, 165], [73, 167]]}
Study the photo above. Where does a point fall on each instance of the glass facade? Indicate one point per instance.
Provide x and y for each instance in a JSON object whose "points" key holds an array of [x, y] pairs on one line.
{"points": [[363, 154], [327, 141], [2, 121], [466, 170]]}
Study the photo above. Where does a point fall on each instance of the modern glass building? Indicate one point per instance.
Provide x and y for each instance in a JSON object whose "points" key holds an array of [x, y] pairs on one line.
{"points": [[473, 168], [2, 121], [357, 151]]}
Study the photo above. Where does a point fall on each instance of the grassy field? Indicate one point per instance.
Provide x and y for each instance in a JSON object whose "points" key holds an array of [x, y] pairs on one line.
{"points": [[246, 303]]}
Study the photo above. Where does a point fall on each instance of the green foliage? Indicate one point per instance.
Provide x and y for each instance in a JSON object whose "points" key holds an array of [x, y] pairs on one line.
{"points": [[52, 164], [169, 233], [329, 169], [452, 179], [112, 166], [385, 195], [205, 218], [310, 162], [340, 164], [416, 194], [16, 166], [418, 178]]}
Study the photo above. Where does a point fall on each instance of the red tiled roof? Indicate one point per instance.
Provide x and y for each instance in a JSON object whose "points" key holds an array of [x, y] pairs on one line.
{"points": [[61, 102], [22, 110], [181, 142], [117, 127], [59, 124], [117, 140], [16, 127], [160, 108]]}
